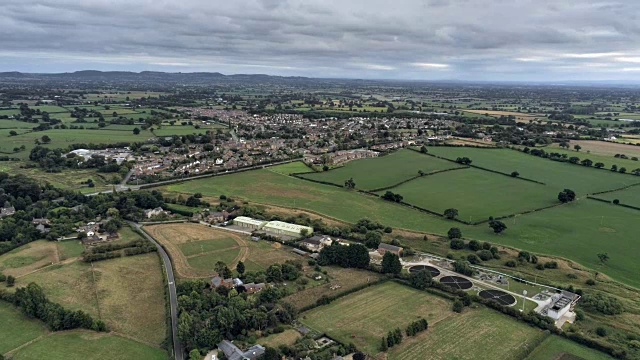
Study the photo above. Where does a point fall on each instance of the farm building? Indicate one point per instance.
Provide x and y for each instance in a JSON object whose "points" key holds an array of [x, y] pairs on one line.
{"points": [[316, 243], [283, 228], [249, 223], [383, 248], [232, 352]]}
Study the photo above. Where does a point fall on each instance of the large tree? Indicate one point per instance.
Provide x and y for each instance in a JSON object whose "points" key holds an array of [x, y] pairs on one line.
{"points": [[497, 226], [391, 263], [451, 213], [566, 196]]}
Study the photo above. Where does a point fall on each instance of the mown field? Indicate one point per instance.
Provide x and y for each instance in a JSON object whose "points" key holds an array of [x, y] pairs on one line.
{"points": [[555, 175], [388, 170], [477, 194], [17, 329], [196, 248], [630, 196], [290, 168]]}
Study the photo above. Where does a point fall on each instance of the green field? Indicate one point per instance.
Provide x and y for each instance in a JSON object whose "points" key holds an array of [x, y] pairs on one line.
{"points": [[367, 315], [630, 196], [555, 174], [208, 261], [290, 168], [554, 347], [67, 179], [477, 194], [573, 231], [16, 329], [205, 246], [84, 345], [383, 171]]}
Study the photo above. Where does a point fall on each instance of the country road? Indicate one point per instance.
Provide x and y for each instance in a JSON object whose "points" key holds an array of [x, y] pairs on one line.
{"points": [[173, 298]]}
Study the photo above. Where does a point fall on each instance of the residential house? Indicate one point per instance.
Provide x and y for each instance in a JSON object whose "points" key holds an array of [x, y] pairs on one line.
{"points": [[383, 248], [218, 281], [316, 243], [7, 211], [253, 288], [232, 352], [149, 213]]}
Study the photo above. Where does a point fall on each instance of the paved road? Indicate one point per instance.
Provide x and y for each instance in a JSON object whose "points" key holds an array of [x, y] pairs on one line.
{"points": [[173, 298]]}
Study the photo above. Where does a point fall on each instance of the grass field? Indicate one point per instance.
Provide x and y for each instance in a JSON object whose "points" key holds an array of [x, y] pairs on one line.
{"points": [[16, 329], [85, 345], [477, 194], [474, 334], [375, 173], [29, 258], [607, 160], [288, 337], [576, 231], [290, 168], [366, 316], [554, 347], [347, 279], [196, 248], [556, 175], [262, 254], [68, 179], [110, 290], [630, 196]]}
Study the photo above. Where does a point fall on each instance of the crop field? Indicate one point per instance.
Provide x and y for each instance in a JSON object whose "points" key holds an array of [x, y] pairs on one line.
{"points": [[85, 345], [366, 316], [474, 334], [17, 329], [605, 148], [347, 279], [477, 194], [290, 168], [555, 175], [375, 173], [555, 347], [110, 290], [196, 248]]}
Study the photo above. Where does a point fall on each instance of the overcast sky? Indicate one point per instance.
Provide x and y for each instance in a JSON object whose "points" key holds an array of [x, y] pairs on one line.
{"points": [[542, 40]]}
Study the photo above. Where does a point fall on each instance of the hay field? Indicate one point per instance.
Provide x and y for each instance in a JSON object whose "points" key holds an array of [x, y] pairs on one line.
{"points": [[28, 258]]}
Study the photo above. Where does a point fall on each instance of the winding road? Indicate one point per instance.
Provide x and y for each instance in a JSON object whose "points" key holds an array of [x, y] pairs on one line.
{"points": [[173, 297]]}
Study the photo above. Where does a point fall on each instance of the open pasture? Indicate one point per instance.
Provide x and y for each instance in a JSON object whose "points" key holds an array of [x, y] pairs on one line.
{"points": [[555, 175], [29, 258], [16, 328], [477, 194], [66, 179], [629, 196], [262, 254], [388, 170]]}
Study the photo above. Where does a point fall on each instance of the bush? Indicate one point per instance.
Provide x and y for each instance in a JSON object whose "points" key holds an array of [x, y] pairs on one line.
{"points": [[601, 331], [457, 244], [511, 263], [457, 306], [473, 259], [551, 265], [474, 245], [454, 233], [602, 303], [590, 282], [485, 255], [616, 201], [540, 267]]}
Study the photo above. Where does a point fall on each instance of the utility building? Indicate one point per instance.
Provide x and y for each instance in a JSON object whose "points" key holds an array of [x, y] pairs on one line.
{"points": [[249, 223], [283, 228]]}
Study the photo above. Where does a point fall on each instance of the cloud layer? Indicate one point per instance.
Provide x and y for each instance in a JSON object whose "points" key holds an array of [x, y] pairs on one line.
{"points": [[401, 39]]}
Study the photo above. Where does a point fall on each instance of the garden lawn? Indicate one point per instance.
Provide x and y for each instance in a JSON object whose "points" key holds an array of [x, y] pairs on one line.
{"points": [[383, 171], [477, 194], [16, 329], [364, 317], [556, 175], [85, 345], [554, 347]]}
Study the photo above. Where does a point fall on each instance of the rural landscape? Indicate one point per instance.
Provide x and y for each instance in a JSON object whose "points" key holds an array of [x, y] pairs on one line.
{"points": [[319, 180]]}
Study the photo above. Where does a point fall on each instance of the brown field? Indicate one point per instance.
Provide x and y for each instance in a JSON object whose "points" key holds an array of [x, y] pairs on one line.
{"points": [[288, 337], [262, 254], [470, 142], [346, 278], [29, 258], [131, 296], [172, 236], [607, 148]]}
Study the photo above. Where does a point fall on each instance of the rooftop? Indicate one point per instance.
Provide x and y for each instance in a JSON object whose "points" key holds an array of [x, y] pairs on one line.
{"points": [[280, 225]]}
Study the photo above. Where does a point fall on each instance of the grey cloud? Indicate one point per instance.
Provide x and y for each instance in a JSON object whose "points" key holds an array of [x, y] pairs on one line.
{"points": [[480, 39]]}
